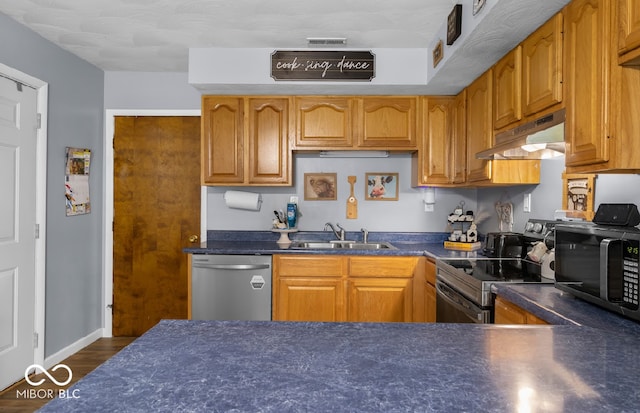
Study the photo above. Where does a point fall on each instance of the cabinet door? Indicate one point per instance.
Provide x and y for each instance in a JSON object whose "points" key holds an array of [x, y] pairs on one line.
{"points": [[388, 122], [269, 154], [542, 67], [459, 139], [629, 31], [309, 299], [509, 313], [325, 122], [507, 96], [222, 140], [309, 288], [429, 292], [379, 300], [429, 303], [437, 141], [479, 126], [587, 29]]}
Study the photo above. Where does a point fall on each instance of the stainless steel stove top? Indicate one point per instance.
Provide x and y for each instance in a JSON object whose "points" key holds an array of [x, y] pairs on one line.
{"points": [[473, 277]]}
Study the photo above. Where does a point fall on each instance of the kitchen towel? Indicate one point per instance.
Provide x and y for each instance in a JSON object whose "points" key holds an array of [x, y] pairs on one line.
{"points": [[243, 200]]}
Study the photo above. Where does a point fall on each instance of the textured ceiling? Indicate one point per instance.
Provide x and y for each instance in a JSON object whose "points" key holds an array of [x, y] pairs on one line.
{"points": [[155, 35]]}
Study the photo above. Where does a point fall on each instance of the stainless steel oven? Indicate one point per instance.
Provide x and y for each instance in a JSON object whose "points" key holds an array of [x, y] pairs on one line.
{"points": [[463, 286], [453, 307]]}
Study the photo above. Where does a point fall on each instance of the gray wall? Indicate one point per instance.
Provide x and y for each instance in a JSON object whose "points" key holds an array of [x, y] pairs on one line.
{"points": [[74, 244], [546, 197], [405, 215]]}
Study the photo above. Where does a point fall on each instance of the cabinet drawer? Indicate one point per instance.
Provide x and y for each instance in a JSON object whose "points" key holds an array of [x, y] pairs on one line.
{"points": [[309, 266], [403, 267]]}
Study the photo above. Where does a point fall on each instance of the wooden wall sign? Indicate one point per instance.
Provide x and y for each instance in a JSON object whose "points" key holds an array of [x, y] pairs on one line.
{"points": [[322, 65], [454, 24]]}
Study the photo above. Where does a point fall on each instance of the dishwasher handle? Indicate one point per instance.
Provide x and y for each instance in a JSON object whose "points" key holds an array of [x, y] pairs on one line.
{"points": [[232, 267]]}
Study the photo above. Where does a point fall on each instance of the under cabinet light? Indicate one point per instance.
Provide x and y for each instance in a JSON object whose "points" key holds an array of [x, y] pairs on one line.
{"points": [[354, 154]]}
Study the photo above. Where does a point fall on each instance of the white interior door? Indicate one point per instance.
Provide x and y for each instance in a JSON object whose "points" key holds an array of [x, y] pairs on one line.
{"points": [[18, 131]]}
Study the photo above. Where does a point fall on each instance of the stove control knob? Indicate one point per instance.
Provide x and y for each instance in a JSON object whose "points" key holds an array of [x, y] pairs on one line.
{"points": [[529, 226], [537, 227]]}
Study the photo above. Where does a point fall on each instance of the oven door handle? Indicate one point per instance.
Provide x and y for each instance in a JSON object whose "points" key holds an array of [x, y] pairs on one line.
{"points": [[451, 297]]}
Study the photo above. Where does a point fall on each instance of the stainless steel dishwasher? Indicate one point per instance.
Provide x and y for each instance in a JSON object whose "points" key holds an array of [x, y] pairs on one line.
{"points": [[231, 287]]}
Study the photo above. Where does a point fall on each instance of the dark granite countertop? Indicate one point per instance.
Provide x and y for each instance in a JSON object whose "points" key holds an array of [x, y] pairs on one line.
{"points": [[265, 243], [561, 308], [251, 366]]}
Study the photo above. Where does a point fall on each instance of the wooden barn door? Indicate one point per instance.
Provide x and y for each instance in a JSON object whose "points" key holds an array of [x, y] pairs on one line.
{"points": [[156, 210]]}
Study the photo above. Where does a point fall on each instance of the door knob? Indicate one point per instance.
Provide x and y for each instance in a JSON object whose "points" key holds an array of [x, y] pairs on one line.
{"points": [[193, 238]]}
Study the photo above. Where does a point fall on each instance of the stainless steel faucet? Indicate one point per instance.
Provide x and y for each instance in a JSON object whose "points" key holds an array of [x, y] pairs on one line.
{"points": [[365, 235], [338, 234]]}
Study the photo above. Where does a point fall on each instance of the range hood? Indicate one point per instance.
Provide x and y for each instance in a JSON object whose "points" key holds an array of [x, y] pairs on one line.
{"points": [[539, 139]]}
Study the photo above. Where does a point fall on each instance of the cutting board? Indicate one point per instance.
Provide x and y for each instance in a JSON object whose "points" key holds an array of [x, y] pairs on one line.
{"points": [[352, 202]]}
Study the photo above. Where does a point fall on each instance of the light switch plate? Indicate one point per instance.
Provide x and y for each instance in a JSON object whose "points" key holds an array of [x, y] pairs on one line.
{"points": [[526, 206], [293, 199]]}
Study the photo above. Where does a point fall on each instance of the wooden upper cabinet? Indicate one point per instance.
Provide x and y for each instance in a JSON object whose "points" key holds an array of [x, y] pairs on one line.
{"points": [[542, 72], [387, 122], [507, 96], [587, 60], [459, 138], [235, 130], [268, 127], [479, 126], [629, 32], [222, 140], [324, 122], [432, 163]]}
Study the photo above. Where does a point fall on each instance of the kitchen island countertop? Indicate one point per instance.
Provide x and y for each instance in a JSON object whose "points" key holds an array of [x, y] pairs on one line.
{"points": [[182, 365]]}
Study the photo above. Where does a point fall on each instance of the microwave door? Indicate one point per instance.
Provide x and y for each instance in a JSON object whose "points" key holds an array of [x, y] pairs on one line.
{"points": [[611, 270]]}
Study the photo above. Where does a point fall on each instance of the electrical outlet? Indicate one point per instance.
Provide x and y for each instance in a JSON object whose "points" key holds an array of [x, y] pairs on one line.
{"points": [[527, 203], [428, 208], [293, 199]]}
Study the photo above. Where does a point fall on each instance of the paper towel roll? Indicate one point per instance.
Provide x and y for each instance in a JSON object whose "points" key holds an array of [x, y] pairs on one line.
{"points": [[243, 200], [548, 265]]}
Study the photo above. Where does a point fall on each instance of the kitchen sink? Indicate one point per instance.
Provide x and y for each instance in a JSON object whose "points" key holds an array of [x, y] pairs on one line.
{"points": [[354, 245]]}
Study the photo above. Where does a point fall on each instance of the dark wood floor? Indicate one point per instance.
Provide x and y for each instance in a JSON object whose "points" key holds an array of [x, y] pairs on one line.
{"points": [[15, 399]]}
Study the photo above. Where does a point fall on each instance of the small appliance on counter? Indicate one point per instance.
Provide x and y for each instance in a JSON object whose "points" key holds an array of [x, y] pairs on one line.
{"points": [[599, 261]]}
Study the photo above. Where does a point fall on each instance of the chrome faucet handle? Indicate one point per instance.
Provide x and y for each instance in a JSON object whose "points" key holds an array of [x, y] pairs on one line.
{"points": [[365, 235], [342, 231]]}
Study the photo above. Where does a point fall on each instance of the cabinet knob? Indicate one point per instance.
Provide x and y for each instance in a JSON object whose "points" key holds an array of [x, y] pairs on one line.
{"points": [[193, 238]]}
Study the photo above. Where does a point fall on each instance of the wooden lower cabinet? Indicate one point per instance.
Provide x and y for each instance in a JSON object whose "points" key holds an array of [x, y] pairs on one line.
{"points": [[380, 299], [345, 288], [509, 313], [306, 299], [429, 293]]}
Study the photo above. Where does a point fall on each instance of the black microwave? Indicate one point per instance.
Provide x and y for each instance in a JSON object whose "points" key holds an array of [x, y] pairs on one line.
{"points": [[599, 264]]}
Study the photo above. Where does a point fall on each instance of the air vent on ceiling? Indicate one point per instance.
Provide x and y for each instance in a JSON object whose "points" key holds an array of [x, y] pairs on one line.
{"points": [[326, 41]]}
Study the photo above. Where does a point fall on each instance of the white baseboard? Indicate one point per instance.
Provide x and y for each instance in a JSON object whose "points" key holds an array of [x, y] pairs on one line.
{"points": [[73, 348]]}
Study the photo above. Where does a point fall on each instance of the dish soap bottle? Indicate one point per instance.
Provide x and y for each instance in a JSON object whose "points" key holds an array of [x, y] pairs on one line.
{"points": [[292, 214]]}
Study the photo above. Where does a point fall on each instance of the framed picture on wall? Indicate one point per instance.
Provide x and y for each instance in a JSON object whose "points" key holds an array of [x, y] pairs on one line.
{"points": [[577, 195], [320, 186], [381, 186]]}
